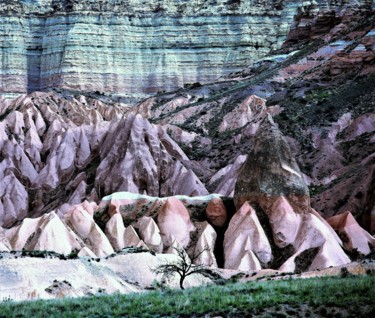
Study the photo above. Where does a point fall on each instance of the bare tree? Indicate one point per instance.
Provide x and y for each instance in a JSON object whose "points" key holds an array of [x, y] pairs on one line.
{"points": [[184, 267]]}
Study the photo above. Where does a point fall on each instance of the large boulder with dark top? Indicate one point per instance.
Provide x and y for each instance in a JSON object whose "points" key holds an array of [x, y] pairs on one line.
{"points": [[271, 171]]}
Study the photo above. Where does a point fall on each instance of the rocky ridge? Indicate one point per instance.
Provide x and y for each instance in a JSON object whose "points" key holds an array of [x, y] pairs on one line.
{"points": [[271, 226], [321, 95], [57, 150]]}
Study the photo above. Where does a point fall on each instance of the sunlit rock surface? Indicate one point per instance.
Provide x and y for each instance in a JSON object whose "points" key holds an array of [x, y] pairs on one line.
{"points": [[31, 278], [245, 242], [353, 236], [174, 222]]}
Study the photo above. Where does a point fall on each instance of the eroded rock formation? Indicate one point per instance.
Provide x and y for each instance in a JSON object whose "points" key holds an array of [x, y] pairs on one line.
{"points": [[319, 91], [245, 243], [352, 235], [240, 136], [270, 185], [270, 172], [57, 150], [133, 47], [274, 227]]}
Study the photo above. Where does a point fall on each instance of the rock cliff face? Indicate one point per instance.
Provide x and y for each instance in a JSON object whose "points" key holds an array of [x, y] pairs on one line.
{"points": [[136, 47]]}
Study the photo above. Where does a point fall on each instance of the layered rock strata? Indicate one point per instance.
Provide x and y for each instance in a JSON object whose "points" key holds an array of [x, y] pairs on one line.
{"points": [[134, 47]]}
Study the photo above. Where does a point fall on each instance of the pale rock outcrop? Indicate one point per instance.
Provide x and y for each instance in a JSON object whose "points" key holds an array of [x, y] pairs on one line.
{"points": [[89, 207], [18, 235], [46, 233], [181, 136], [13, 200], [245, 233], [285, 223], [175, 248], [115, 231], [329, 255], [251, 109], [328, 226], [205, 246], [4, 243], [83, 224], [86, 252], [352, 235], [223, 181], [53, 235], [248, 260], [142, 245], [150, 234], [314, 234], [33, 278], [216, 212], [3, 247], [131, 238], [174, 222], [79, 194]]}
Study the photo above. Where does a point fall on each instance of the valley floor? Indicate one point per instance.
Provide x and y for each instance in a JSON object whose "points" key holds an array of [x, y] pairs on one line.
{"points": [[350, 296]]}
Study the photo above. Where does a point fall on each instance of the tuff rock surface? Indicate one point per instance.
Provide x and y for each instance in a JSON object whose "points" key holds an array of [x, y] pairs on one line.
{"points": [[58, 149], [286, 142], [270, 172], [353, 236], [133, 47], [31, 278], [319, 89]]}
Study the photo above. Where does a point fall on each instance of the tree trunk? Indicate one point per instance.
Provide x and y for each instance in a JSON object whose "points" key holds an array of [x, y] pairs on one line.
{"points": [[182, 282]]}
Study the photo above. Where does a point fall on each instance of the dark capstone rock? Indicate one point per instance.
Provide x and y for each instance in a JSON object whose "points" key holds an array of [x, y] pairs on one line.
{"points": [[270, 172]]}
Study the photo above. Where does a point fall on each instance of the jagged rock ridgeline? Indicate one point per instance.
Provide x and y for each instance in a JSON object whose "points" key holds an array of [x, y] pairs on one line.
{"points": [[57, 150], [274, 226], [136, 47], [156, 224], [129, 220]]}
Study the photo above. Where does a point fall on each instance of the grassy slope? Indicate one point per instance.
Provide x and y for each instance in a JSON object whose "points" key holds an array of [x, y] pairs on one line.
{"points": [[318, 297]]}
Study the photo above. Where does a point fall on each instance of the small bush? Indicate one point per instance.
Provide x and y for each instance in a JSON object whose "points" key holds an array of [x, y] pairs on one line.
{"points": [[344, 272]]}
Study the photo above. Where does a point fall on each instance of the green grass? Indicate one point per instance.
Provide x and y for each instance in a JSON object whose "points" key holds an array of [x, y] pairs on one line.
{"points": [[318, 297]]}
